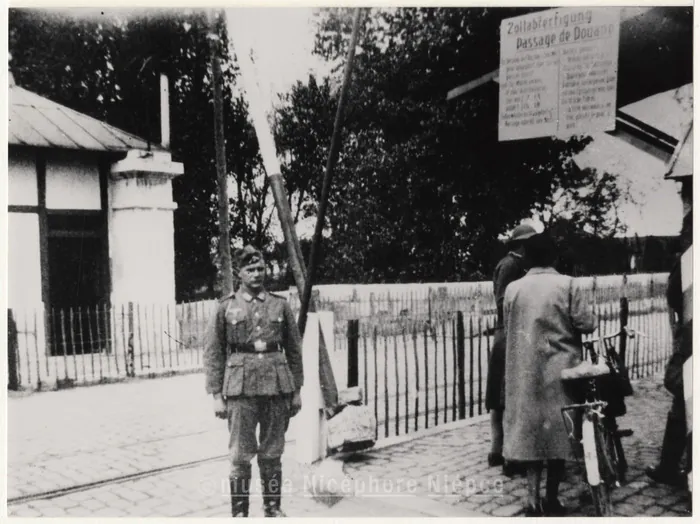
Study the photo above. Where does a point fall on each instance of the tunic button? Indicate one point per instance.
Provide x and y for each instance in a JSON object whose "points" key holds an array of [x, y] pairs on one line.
{"points": [[258, 328], [260, 356]]}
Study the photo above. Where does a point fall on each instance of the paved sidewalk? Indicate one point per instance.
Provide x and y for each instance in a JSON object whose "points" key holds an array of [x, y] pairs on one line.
{"points": [[114, 436], [64, 438], [76, 437]]}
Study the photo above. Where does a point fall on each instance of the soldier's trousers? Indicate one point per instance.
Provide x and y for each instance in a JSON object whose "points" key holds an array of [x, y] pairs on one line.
{"points": [[271, 413]]}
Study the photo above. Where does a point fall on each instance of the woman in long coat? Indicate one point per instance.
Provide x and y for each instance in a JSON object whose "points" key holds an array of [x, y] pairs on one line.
{"points": [[544, 316]]}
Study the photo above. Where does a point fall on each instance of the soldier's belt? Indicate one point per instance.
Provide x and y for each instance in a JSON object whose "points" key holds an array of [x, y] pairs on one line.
{"points": [[252, 347]]}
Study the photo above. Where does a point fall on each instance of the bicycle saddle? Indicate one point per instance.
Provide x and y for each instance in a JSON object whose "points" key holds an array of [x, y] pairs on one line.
{"points": [[585, 369]]}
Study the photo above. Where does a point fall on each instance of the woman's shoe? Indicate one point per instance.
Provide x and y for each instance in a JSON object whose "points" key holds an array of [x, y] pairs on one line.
{"points": [[513, 469], [495, 459], [553, 508]]}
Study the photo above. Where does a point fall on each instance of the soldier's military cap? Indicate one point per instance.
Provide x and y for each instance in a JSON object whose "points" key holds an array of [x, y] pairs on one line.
{"points": [[247, 256]]}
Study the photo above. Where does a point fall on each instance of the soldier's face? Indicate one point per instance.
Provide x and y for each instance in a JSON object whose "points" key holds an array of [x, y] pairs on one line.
{"points": [[253, 276]]}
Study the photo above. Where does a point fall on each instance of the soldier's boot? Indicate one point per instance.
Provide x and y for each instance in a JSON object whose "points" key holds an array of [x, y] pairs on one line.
{"points": [[271, 477], [669, 469], [240, 492], [239, 480]]}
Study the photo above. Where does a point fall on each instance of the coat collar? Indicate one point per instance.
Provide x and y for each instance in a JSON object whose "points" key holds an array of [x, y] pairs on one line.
{"points": [[543, 271]]}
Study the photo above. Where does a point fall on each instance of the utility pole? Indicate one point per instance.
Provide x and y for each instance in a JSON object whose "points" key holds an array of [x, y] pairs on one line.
{"points": [[226, 277], [328, 176]]}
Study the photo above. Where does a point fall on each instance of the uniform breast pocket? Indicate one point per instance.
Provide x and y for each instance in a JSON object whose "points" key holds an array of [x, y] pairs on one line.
{"points": [[235, 330], [276, 328]]}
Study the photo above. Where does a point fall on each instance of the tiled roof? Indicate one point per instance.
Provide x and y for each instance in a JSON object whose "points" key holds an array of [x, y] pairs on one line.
{"points": [[37, 121]]}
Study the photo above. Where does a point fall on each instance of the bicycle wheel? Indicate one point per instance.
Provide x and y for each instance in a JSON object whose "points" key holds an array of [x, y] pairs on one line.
{"points": [[601, 500], [608, 458], [599, 465], [608, 467]]}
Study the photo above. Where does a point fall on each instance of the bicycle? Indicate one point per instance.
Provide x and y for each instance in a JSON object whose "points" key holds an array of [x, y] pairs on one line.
{"points": [[599, 445]]}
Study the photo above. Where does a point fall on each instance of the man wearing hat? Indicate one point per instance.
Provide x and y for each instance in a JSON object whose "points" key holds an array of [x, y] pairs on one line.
{"points": [[510, 268], [253, 366]]}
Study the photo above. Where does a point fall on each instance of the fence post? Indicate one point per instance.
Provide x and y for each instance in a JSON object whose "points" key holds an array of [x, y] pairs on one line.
{"points": [[130, 371], [12, 349], [353, 353], [430, 307], [462, 400], [624, 319], [471, 366]]}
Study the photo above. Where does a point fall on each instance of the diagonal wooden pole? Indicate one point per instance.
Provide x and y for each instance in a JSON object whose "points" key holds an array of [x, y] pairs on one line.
{"points": [[332, 158], [274, 173]]}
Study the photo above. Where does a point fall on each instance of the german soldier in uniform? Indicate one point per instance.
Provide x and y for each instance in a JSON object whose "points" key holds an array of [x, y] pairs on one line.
{"points": [[669, 470], [254, 372]]}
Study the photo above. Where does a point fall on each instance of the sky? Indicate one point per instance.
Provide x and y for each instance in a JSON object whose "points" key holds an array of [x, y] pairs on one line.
{"points": [[282, 41], [656, 207]]}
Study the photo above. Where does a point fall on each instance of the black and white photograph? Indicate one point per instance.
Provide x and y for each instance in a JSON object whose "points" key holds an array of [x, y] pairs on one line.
{"points": [[349, 262]]}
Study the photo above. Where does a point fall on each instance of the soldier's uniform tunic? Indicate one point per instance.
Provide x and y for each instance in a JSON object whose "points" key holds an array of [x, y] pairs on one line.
{"points": [[253, 358]]}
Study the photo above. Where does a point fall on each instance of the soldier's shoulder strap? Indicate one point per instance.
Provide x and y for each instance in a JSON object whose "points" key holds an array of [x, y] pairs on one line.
{"points": [[227, 297], [276, 295]]}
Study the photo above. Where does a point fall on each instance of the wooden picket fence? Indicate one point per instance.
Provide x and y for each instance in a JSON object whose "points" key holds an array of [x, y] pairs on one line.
{"points": [[421, 356], [57, 348], [432, 374]]}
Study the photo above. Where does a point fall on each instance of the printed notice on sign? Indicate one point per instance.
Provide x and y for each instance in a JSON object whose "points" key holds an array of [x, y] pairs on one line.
{"points": [[558, 73]]}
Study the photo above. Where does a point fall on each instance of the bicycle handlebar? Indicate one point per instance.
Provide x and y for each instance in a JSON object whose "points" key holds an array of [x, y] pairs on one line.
{"points": [[592, 405], [631, 333]]}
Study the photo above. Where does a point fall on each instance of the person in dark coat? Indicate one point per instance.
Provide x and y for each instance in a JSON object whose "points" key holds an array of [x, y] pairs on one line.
{"points": [[509, 268], [253, 365], [669, 470]]}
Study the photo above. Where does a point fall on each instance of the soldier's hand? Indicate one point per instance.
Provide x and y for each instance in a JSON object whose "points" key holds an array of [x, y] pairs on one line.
{"points": [[296, 403], [219, 406]]}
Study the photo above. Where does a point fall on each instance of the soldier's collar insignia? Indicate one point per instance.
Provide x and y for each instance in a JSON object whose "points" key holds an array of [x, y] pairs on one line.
{"points": [[248, 297]]}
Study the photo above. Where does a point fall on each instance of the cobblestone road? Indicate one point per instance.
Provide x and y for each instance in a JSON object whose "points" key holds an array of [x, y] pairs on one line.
{"points": [[451, 467], [70, 438]]}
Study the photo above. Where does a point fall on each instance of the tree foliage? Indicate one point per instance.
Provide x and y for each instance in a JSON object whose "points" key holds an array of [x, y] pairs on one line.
{"points": [[423, 188]]}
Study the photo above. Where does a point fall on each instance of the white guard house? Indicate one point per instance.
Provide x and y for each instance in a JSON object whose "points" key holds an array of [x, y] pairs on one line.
{"points": [[90, 230]]}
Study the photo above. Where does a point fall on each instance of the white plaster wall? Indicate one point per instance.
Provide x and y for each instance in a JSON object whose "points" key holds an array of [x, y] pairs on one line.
{"points": [[143, 256], [22, 185], [151, 191], [24, 260], [72, 182]]}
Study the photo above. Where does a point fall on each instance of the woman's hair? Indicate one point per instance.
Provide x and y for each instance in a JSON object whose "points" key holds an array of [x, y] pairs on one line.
{"points": [[541, 250]]}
